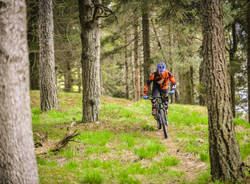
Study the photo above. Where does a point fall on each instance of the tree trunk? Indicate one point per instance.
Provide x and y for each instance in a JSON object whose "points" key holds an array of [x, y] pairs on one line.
{"points": [[79, 79], [90, 36], [202, 81], [232, 72], [34, 71], [192, 84], [33, 43], [126, 69], [146, 41], [170, 54], [48, 88], [68, 77], [185, 88], [133, 71], [17, 156], [136, 59], [225, 158], [158, 41], [248, 58]]}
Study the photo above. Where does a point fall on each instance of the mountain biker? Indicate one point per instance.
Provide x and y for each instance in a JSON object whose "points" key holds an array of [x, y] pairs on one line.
{"points": [[160, 80]]}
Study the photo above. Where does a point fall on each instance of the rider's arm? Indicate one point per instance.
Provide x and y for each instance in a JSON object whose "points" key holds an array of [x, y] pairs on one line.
{"points": [[172, 79], [145, 91]]}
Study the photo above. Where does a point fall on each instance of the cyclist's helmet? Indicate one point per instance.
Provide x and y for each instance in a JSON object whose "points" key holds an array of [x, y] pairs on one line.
{"points": [[161, 67]]}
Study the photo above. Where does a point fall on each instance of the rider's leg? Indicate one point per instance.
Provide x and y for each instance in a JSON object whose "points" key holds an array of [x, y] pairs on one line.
{"points": [[155, 93], [164, 93]]}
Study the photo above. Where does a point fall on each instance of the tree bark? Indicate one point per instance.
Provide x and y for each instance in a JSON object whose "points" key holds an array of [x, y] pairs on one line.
{"points": [[185, 88], [136, 59], [34, 71], [192, 84], [202, 81], [33, 43], [48, 88], [126, 69], [133, 70], [17, 156], [90, 36], [146, 41], [79, 79], [68, 77], [248, 58], [225, 158], [158, 40], [232, 72]]}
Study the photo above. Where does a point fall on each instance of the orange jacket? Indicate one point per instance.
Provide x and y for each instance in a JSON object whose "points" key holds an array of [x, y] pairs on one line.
{"points": [[159, 81]]}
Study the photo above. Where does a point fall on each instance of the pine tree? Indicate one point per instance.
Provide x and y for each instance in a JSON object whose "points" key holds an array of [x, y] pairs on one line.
{"points": [[90, 27], [48, 88], [17, 156], [225, 158]]}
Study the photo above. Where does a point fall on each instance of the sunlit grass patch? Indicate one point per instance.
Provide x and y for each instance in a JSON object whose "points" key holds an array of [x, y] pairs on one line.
{"points": [[241, 122], [95, 149], [204, 156], [97, 163], [147, 127], [53, 117], [185, 115], [127, 179], [149, 150], [245, 150], [71, 165], [128, 139], [203, 178], [44, 162], [92, 176], [242, 136], [95, 138], [174, 174], [67, 153], [169, 161], [115, 111]]}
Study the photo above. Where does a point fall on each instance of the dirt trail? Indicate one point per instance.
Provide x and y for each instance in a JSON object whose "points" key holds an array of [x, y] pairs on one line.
{"points": [[189, 163]]}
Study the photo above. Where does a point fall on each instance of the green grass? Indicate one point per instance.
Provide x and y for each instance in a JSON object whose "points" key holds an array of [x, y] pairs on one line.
{"points": [[204, 157], [169, 161], [126, 179], [71, 165], [125, 146], [95, 138], [149, 150], [93, 176]]}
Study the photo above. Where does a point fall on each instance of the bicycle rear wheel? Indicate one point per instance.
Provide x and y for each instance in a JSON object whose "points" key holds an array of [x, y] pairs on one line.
{"points": [[163, 120]]}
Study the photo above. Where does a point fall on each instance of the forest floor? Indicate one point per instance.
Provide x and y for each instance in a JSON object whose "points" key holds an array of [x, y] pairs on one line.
{"points": [[125, 146]]}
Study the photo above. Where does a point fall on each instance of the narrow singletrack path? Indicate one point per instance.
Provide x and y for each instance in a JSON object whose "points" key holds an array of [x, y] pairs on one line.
{"points": [[189, 163]]}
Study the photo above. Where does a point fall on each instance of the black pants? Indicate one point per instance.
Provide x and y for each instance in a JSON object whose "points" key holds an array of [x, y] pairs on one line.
{"points": [[157, 92]]}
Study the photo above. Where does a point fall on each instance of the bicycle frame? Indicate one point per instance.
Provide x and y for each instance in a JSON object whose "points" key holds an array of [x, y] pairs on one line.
{"points": [[159, 104], [161, 116]]}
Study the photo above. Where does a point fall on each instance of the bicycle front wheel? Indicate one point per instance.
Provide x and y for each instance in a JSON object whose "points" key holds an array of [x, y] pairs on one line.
{"points": [[163, 120]]}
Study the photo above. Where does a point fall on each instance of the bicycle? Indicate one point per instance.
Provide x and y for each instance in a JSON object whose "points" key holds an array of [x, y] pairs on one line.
{"points": [[161, 116]]}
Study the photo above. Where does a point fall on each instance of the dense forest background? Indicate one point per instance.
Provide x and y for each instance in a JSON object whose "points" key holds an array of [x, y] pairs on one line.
{"points": [[170, 31]]}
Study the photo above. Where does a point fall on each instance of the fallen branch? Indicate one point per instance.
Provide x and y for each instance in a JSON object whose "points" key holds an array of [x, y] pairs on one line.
{"points": [[42, 139], [62, 143], [43, 147]]}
